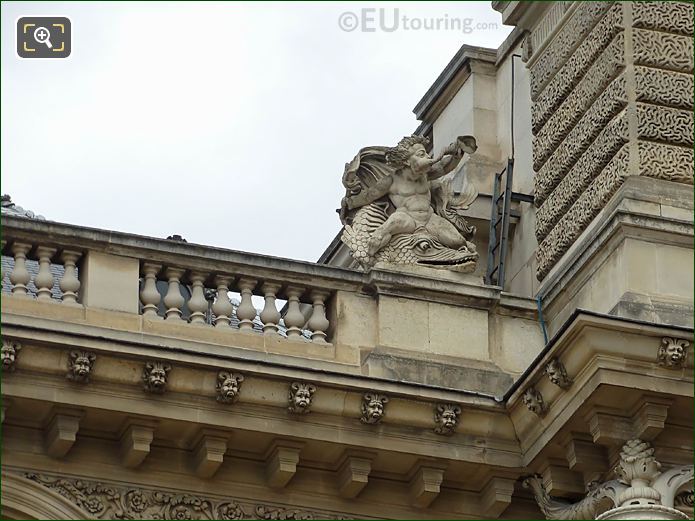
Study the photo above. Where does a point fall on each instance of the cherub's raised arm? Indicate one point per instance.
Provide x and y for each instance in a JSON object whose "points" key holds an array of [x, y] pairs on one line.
{"points": [[451, 156], [371, 194]]}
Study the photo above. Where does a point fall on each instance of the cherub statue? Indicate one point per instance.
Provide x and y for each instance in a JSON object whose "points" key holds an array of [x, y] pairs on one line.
{"points": [[397, 210]]}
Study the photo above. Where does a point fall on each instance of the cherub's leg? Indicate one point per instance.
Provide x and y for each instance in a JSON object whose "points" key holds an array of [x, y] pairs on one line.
{"points": [[398, 222], [445, 232]]}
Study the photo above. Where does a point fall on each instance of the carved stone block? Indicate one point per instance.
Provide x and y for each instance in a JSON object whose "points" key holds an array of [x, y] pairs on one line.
{"points": [[533, 400], [424, 484], [208, 452], [281, 463], [496, 496], [60, 432], [353, 474], [136, 437]]}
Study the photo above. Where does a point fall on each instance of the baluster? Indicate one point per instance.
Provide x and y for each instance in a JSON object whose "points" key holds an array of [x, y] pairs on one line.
{"points": [[246, 312], [70, 284], [270, 316], [294, 319], [173, 300], [20, 276], [197, 304], [149, 296], [222, 308], [2, 270], [318, 323], [44, 278]]}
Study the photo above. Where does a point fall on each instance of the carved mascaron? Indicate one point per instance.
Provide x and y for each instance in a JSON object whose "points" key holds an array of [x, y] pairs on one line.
{"points": [[10, 351], [155, 377], [228, 386], [446, 418], [672, 352], [300, 396], [373, 407], [80, 365], [397, 210]]}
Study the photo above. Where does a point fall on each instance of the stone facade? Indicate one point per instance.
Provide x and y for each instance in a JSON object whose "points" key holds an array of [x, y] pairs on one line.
{"points": [[153, 378]]}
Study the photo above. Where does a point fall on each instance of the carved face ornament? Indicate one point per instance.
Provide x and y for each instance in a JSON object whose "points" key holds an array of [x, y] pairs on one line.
{"points": [[228, 386], [8, 355], [675, 353], [82, 366]]}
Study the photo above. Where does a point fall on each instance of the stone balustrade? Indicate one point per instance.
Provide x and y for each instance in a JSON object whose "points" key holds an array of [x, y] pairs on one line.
{"points": [[38, 270], [177, 294], [177, 282]]}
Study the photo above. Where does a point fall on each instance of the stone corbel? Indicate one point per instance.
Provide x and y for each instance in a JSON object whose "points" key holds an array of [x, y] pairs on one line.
{"points": [[209, 448], [560, 481], [135, 439], [281, 462], [645, 421], [426, 478], [496, 496], [60, 431], [353, 472]]}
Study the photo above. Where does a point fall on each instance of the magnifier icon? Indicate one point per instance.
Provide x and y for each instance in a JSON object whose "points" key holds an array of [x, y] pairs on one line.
{"points": [[43, 35]]}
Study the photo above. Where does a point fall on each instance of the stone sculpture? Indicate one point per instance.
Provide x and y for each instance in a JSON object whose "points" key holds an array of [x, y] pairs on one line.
{"points": [[446, 418], [154, 376], [556, 372], [373, 407], [672, 352], [228, 386], [533, 400], [398, 210], [641, 490], [300, 396], [80, 366], [10, 351]]}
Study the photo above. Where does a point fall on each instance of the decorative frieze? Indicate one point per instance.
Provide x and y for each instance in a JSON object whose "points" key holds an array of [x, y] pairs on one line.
{"points": [[154, 376], [111, 501], [373, 407], [80, 364], [228, 386], [9, 353], [672, 352], [446, 418], [557, 374], [300, 396], [533, 400]]}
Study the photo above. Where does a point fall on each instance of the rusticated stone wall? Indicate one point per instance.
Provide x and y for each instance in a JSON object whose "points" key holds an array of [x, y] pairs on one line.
{"points": [[612, 96]]}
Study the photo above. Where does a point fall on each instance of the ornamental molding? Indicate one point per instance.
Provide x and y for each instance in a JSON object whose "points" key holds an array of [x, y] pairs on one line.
{"points": [[110, 501]]}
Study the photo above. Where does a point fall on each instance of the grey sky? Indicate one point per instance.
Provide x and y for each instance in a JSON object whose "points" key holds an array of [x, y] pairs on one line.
{"points": [[226, 123]]}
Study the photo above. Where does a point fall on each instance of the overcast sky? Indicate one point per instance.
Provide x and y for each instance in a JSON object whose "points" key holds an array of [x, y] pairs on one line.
{"points": [[226, 123]]}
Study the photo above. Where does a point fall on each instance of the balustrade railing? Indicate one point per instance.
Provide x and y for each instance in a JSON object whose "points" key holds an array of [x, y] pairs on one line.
{"points": [[36, 270], [169, 281], [188, 295]]}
